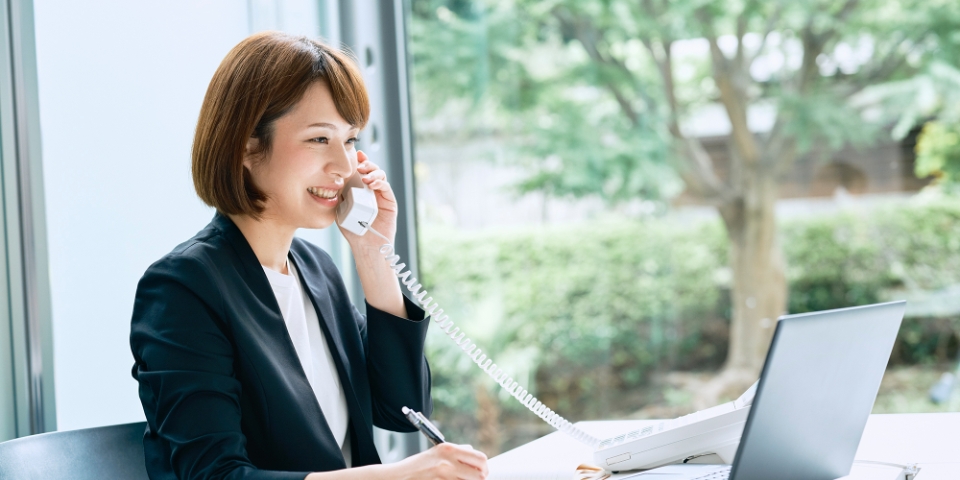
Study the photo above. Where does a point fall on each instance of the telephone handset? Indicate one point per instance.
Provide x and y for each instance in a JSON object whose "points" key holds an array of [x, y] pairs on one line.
{"points": [[358, 206], [712, 434]]}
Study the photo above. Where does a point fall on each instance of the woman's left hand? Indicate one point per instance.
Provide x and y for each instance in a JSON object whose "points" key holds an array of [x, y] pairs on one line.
{"points": [[386, 221]]}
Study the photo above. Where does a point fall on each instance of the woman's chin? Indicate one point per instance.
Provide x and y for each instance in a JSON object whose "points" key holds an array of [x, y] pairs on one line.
{"points": [[319, 223]]}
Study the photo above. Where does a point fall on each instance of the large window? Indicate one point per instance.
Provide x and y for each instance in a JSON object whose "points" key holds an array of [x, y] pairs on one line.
{"points": [[618, 199]]}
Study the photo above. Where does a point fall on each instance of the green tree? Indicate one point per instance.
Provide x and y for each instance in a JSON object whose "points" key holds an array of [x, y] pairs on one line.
{"points": [[938, 152], [596, 94], [930, 99]]}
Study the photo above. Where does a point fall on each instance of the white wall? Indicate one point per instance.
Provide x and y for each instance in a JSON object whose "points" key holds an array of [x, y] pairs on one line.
{"points": [[121, 85]]}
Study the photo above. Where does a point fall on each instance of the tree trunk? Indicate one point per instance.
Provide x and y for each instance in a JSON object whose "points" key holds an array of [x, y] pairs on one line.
{"points": [[488, 418], [759, 293], [759, 287]]}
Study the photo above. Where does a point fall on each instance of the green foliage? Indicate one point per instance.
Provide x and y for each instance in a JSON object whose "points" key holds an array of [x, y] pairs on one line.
{"points": [[849, 259], [938, 152], [612, 161], [576, 87], [573, 310], [934, 92], [628, 299], [468, 51], [824, 119]]}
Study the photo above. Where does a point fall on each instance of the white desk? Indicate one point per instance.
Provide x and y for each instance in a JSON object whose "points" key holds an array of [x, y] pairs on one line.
{"points": [[931, 440]]}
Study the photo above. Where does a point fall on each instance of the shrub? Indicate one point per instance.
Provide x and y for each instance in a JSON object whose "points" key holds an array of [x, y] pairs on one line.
{"points": [[579, 310]]}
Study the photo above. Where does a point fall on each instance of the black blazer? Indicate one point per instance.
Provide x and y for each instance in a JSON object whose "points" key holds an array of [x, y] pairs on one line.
{"points": [[221, 385]]}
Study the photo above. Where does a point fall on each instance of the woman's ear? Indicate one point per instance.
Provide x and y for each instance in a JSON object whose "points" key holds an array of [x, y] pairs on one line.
{"points": [[250, 152]]}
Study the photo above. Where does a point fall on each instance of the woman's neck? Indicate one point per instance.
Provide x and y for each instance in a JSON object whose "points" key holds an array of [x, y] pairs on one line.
{"points": [[270, 241]]}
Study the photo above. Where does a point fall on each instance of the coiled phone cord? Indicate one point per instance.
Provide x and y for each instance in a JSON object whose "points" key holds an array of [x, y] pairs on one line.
{"points": [[476, 354]]}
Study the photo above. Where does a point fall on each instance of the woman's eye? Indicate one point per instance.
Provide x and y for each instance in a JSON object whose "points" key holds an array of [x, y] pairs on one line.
{"points": [[319, 140], [353, 140]]}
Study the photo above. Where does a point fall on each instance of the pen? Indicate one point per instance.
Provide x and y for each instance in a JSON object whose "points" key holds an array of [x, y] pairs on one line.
{"points": [[427, 428]]}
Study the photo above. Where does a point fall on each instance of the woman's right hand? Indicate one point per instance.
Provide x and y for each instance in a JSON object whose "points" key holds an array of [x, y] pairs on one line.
{"points": [[446, 461]]}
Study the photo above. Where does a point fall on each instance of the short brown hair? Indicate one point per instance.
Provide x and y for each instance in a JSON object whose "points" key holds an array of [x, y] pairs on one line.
{"points": [[259, 81]]}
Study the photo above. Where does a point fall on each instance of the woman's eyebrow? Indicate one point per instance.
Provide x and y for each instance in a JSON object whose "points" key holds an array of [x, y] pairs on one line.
{"points": [[330, 126]]}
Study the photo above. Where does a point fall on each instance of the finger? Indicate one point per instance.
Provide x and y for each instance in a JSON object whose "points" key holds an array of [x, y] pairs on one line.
{"points": [[375, 175], [485, 468], [380, 186], [368, 166], [475, 464], [479, 461], [383, 189], [361, 157], [475, 459], [467, 472]]}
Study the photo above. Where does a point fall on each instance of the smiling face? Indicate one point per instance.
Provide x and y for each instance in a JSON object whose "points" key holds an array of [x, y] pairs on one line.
{"points": [[313, 152]]}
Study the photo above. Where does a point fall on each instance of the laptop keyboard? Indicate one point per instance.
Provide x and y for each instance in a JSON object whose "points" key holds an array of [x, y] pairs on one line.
{"points": [[723, 474]]}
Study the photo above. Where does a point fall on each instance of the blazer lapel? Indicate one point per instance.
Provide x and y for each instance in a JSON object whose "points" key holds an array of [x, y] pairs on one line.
{"points": [[271, 320], [320, 296], [270, 317]]}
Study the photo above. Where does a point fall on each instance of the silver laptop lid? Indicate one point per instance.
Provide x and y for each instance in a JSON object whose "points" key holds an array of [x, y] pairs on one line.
{"points": [[816, 391]]}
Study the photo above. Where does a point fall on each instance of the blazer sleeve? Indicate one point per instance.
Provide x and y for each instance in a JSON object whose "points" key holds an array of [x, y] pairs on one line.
{"points": [[396, 366], [184, 365]]}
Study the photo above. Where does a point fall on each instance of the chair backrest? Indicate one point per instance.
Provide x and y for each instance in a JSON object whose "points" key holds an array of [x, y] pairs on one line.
{"points": [[98, 453]]}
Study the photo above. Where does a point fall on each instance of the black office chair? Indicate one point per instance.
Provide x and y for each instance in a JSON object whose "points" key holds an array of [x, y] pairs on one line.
{"points": [[113, 452]]}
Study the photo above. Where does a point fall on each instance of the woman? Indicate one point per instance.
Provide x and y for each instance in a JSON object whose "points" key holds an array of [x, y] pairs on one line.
{"points": [[251, 360]]}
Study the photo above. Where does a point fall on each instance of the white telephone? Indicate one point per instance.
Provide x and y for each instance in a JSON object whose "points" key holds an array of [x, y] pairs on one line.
{"points": [[707, 436], [358, 206]]}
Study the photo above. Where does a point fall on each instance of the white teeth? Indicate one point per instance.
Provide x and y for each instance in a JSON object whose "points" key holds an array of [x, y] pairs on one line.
{"points": [[322, 192]]}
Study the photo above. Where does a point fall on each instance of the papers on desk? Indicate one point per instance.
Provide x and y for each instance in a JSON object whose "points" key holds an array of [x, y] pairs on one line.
{"points": [[555, 456]]}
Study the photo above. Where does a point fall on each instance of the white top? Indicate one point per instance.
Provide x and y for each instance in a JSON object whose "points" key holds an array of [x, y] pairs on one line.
{"points": [[303, 324]]}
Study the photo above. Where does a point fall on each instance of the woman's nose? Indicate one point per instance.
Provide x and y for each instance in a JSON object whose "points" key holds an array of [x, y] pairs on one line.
{"points": [[342, 164]]}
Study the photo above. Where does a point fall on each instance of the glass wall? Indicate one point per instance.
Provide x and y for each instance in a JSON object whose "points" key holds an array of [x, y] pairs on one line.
{"points": [[616, 200]]}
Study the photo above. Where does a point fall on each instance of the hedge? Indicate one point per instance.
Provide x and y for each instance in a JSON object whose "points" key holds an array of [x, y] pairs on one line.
{"points": [[598, 307]]}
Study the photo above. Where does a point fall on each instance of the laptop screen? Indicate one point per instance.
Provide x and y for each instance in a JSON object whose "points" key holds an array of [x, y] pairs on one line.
{"points": [[816, 391]]}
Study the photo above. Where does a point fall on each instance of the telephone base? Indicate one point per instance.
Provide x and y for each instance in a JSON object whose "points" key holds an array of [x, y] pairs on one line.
{"points": [[708, 436], [705, 459]]}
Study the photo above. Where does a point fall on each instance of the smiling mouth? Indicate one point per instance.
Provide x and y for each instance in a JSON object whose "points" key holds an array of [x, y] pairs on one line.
{"points": [[323, 193]]}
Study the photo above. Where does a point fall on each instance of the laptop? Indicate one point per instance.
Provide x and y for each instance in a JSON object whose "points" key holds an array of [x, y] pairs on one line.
{"points": [[816, 391]]}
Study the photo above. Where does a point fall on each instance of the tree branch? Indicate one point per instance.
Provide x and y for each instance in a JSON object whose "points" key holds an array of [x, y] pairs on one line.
{"points": [[814, 43], [589, 37], [731, 81], [772, 21], [892, 61], [696, 170], [780, 149], [664, 62], [846, 10], [740, 55], [696, 166]]}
